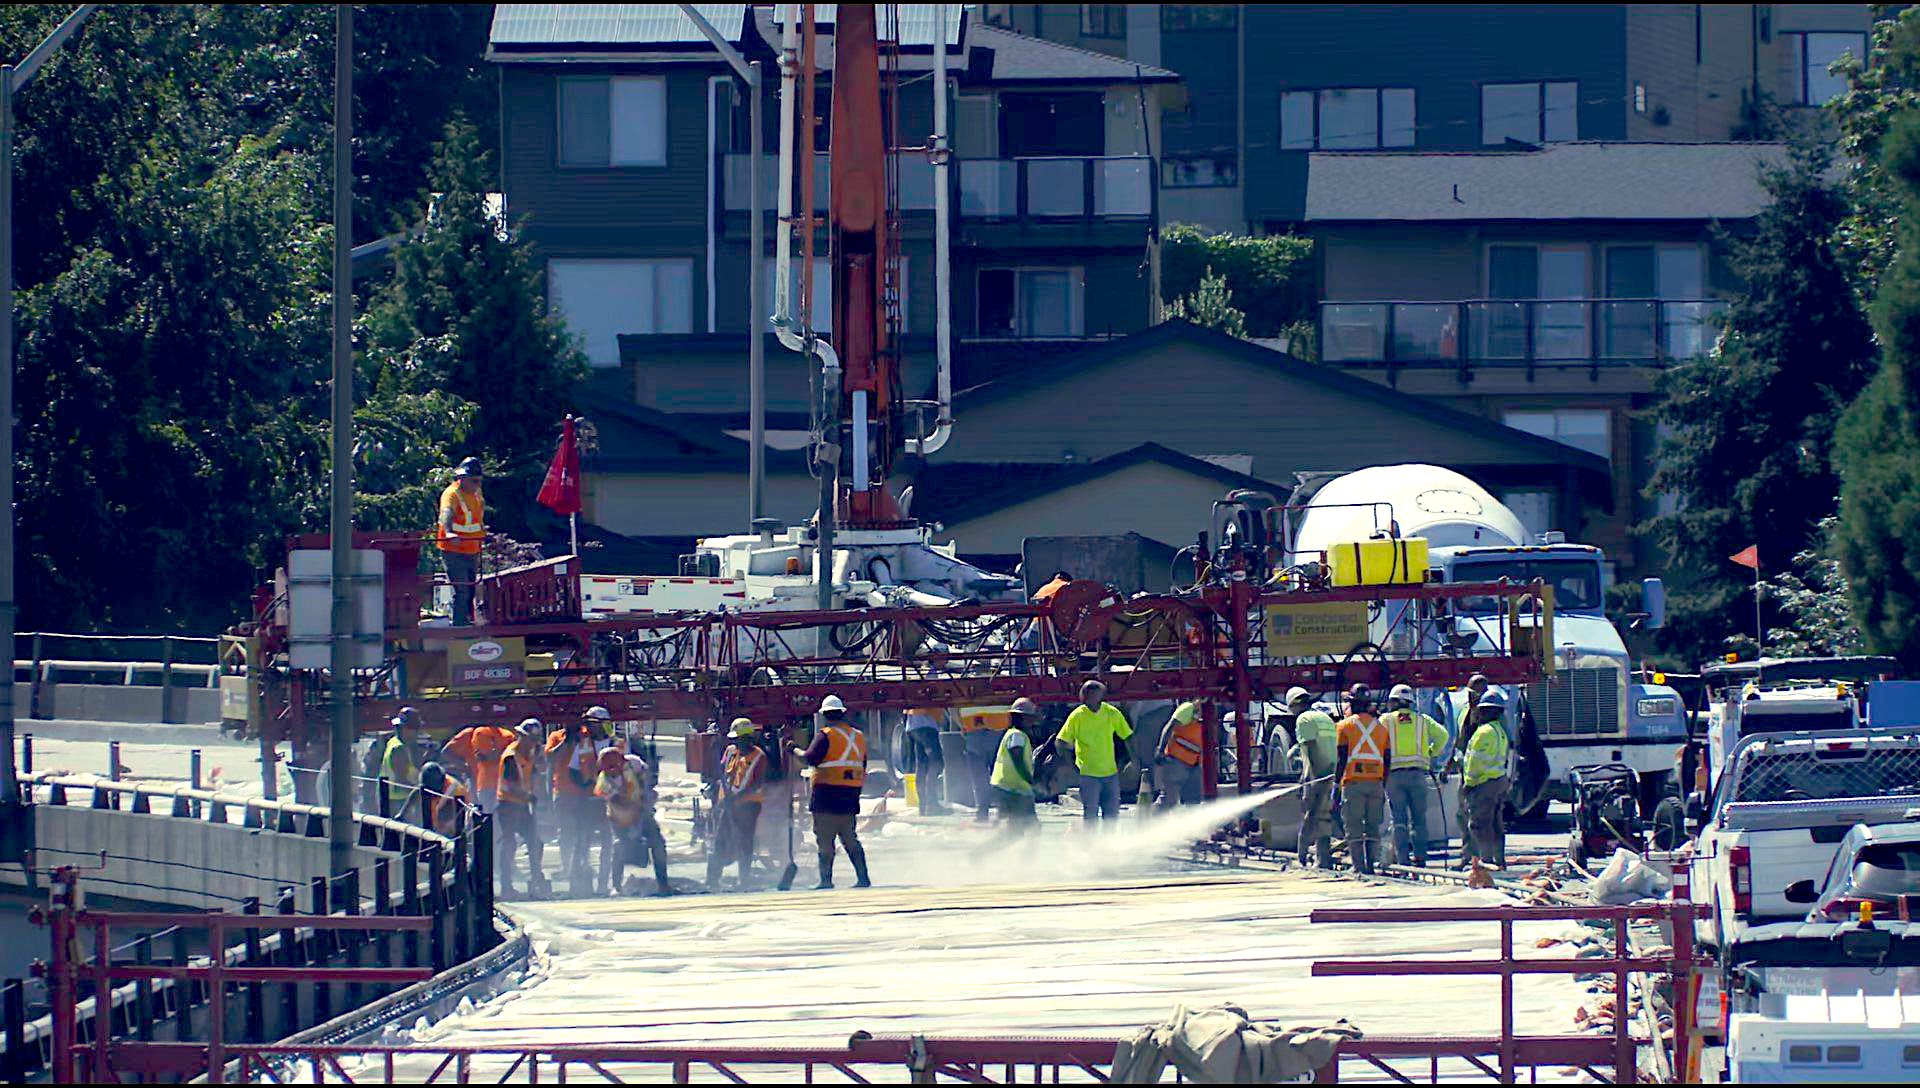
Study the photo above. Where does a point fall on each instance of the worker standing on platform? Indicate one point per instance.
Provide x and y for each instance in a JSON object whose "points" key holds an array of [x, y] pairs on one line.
{"points": [[1013, 769], [573, 761], [1484, 783], [625, 784], [463, 515], [838, 756], [923, 753], [1362, 748], [475, 753], [1090, 733], [514, 810], [400, 763], [1316, 749], [1180, 751], [980, 729], [743, 789], [1419, 746]]}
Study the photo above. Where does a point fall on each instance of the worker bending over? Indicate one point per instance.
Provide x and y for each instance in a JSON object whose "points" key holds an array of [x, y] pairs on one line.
{"points": [[1180, 752], [1362, 747], [1315, 748], [462, 529], [838, 756], [474, 753], [1090, 733], [1419, 746], [625, 783], [514, 810], [573, 760], [442, 799], [743, 790], [1484, 783], [1013, 769]]}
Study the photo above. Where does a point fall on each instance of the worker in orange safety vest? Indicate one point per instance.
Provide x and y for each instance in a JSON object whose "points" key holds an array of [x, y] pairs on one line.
{"points": [[625, 783], [1180, 754], [462, 528], [515, 819], [743, 782], [443, 797], [573, 760], [474, 753], [838, 756], [1363, 749]]}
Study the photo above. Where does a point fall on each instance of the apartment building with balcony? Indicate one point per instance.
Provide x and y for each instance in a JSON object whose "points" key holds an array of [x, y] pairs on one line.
{"points": [[626, 163]]}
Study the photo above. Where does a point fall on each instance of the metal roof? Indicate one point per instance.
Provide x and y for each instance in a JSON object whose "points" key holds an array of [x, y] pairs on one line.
{"points": [[916, 21], [1558, 181], [610, 24]]}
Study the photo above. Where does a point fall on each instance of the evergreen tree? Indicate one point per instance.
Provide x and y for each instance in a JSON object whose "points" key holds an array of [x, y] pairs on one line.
{"points": [[1211, 306], [1751, 423], [1272, 277], [1878, 447], [1810, 599]]}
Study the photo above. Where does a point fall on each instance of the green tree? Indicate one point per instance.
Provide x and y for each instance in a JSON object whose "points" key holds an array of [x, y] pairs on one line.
{"points": [[1751, 424], [1211, 306], [1810, 602], [1879, 92], [1271, 277]]}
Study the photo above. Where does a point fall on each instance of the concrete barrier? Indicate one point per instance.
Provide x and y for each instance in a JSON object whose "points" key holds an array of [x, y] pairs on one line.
{"points": [[117, 703]]}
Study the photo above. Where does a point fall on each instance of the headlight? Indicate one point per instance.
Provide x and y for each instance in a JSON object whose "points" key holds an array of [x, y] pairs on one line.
{"points": [[1661, 706]]}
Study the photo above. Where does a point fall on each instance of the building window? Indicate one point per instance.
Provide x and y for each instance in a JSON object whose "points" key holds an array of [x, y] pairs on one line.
{"points": [[1346, 118], [1589, 429], [1103, 20], [1203, 171], [1030, 303], [601, 300], [1531, 113], [613, 122], [1813, 54], [1199, 16]]}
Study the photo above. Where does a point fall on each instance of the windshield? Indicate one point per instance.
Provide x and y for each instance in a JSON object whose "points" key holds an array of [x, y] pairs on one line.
{"points": [[1886, 869], [1575, 581]]}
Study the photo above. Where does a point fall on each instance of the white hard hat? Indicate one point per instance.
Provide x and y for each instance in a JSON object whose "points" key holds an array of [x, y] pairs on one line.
{"points": [[831, 702], [598, 714], [1401, 691], [1296, 693]]}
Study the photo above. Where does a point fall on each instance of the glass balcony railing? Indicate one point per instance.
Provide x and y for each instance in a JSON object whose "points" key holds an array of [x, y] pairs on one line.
{"points": [[1501, 332], [1104, 188]]}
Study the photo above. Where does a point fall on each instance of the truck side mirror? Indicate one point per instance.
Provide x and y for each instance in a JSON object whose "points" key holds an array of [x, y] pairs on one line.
{"points": [[1653, 601], [1802, 891]]}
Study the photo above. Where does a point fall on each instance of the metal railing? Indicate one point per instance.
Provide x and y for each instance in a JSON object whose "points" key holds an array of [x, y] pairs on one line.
{"points": [[1048, 188], [1519, 332]]}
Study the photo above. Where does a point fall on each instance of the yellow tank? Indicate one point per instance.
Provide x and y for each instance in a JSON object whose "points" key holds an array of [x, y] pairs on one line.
{"points": [[1393, 562]]}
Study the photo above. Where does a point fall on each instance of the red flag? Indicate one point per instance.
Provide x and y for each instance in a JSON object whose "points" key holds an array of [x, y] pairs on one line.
{"points": [[561, 491], [1749, 558]]}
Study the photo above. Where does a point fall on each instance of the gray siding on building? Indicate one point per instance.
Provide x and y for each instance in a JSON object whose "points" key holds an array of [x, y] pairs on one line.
{"points": [[1155, 500]]}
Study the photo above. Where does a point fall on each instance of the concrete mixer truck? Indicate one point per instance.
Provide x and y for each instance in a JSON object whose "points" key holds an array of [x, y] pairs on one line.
{"points": [[1590, 711]]}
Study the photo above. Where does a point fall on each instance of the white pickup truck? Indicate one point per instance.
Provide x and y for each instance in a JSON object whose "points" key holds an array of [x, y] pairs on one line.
{"points": [[1782, 805]]}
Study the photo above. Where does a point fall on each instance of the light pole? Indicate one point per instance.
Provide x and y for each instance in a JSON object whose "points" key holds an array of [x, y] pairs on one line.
{"points": [[340, 836], [13, 842]]}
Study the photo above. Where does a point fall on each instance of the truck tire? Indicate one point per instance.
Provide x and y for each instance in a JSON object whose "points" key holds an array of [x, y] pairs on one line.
{"points": [[1669, 824]]}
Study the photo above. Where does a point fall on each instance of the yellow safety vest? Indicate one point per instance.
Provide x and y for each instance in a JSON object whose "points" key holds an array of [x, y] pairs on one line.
{"points": [[1414, 738]]}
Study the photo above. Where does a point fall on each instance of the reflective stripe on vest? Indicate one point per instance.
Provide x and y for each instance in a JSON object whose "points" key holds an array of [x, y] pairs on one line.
{"points": [[1367, 758], [1184, 744], [465, 529], [1486, 757], [1410, 740], [846, 762], [740, 771]]}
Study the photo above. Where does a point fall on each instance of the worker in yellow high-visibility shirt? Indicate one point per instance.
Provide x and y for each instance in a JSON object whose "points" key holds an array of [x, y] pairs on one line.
{"points": [[462, 528]]}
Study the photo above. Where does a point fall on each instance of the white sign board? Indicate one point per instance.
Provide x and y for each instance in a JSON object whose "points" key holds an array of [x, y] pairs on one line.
{"points": [[310, 608]]}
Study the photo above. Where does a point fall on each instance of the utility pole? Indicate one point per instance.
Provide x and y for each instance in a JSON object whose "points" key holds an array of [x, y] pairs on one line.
{"points": [[340, 836], [14, 836]]}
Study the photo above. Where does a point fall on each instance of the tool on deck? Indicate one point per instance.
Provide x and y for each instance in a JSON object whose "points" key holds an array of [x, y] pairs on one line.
{"points": [[793, 867]]}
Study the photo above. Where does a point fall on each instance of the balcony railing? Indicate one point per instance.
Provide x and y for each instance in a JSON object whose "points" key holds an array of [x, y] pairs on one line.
{"points": [[1062, 189], [1509, 332]]}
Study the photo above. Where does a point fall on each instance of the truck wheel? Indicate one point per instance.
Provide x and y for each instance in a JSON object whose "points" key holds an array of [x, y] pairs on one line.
{"points": [[1669, 824], [1655, 788]]}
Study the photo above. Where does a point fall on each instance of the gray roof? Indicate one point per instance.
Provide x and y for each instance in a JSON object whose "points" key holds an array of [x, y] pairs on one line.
{"points": [[916, 21], [610, 24], [1559, 181], [1018, 57]]}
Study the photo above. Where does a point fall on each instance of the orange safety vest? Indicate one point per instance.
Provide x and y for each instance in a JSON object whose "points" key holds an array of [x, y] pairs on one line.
{"points": [[1184, 744], [1366, 750], [516, 774], [465, 529], [741, 765], [561, 746], [846, 762], [446, 808], [626, 801], [476, 747]]}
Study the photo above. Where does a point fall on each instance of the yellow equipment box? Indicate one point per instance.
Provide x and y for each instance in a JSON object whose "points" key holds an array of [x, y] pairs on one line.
{"points": [[1396, 562]]}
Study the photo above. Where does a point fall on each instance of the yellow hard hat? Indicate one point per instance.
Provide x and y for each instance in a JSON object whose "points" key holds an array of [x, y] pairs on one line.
{"points": [[742, 726]]}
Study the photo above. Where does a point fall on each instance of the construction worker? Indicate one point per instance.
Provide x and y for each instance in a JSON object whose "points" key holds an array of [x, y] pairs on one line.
{"points": [[442, 796], [514, 818], [1013, 769], [400, 763], [573, 761], [743, 790], [1181, 746], [1362, 747], [1090, 732], [475, 753], [1060, 578], [1484, 783], [1316, 750], [1419, 746], [980, 729], [462, 528], [923, 754], [838, 756], [625, 783], [1461, 704]]}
